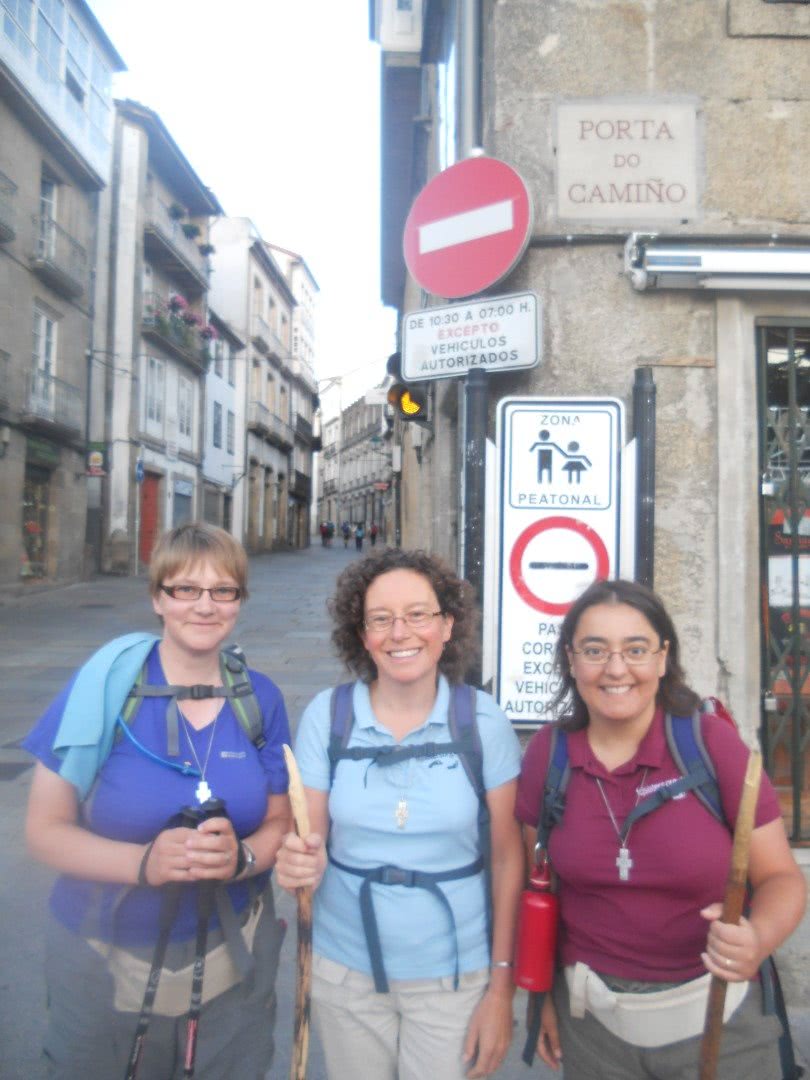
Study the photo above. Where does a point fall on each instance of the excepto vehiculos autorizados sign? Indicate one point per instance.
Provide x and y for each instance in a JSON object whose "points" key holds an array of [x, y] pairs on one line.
{"points": [[498, 333]]}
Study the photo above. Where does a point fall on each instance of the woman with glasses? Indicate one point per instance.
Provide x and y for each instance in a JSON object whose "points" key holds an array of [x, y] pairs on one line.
{"points": [[412, 963], [148, 730], [640, 898]]}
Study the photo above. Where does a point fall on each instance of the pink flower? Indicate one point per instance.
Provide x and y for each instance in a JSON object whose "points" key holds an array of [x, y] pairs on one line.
{"points": [[190, 318], [177, 303], [208, 333]]}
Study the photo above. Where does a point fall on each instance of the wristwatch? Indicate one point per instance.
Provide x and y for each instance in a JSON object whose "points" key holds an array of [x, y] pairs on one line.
{"points": [[250, 859]]}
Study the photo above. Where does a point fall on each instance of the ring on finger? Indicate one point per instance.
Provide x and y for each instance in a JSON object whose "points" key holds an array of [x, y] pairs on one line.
{"points": [[728, 962]]}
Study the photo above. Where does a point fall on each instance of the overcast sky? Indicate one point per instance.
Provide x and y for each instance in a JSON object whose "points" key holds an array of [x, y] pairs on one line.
{"points": [[276, 106]]}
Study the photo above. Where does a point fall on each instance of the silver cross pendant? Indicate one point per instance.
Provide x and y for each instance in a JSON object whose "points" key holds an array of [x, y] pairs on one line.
{"points": [[624, 863]]}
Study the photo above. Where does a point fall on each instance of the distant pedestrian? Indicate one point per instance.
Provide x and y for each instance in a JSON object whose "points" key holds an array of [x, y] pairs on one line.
{"points": [[330, 532], [324, 533], [372, 532], [346, 529], [359, 536]]}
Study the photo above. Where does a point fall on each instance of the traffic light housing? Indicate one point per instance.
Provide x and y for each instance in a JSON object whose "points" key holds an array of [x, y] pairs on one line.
{"points": [[410, 402]]}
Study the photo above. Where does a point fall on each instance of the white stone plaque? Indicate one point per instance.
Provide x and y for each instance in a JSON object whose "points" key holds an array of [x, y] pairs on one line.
{"points": [[632, 162]]}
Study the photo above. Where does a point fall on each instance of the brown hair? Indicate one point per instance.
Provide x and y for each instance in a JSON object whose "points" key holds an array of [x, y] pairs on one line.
{"points": [[673, 694], [455, 597], [193, 543]]}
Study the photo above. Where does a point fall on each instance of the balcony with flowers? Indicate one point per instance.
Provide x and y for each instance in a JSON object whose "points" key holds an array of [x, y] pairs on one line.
{"points": [[173, 324]]}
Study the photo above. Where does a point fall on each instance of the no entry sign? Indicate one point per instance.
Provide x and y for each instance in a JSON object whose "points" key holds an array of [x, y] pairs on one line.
{"points": [[467, 228], [559, 495]]}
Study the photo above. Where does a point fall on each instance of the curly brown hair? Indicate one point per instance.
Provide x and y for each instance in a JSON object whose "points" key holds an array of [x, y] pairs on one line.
{"points": [[673, 693], [455, 596]]}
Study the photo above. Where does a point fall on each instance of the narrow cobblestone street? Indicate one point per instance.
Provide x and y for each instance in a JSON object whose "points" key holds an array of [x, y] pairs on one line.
{"points": [[284, 629]]}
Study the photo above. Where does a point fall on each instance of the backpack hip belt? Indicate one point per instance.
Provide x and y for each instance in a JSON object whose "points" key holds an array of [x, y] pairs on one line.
{"points": [[411, 879]]}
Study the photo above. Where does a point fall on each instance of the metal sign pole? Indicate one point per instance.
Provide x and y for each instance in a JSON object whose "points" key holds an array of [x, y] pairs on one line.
{"points": [[476, 394]]}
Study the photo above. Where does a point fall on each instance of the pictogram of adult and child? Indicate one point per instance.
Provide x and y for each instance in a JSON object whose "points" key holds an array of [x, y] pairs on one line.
{"points": [[574, 463]]}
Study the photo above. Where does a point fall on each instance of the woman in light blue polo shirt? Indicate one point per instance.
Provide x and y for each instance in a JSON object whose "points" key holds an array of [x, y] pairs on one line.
{"points": [[412, 966]]}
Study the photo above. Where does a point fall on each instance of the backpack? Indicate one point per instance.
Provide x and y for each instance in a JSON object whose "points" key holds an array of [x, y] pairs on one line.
{"points": [[685, 744], [466, 744], [236, 688]]}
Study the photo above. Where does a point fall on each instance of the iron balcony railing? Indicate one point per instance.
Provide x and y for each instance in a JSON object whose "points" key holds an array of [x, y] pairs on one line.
{"points": [[170, 230], [59, 258], [53, 401], [301, 485], [8, 216], [262, 420], [265, 338], [303, 428]]}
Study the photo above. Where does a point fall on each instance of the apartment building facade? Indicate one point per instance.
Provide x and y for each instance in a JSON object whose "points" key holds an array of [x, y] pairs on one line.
{"points": [[223, 446], [152, 329], [56, 127], [356, 478], [250, 290]]}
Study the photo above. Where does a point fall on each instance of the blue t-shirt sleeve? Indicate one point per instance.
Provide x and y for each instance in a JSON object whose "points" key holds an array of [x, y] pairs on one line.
{"points": [[499, 742], [40, 739], [276, 729], [312, 743]]}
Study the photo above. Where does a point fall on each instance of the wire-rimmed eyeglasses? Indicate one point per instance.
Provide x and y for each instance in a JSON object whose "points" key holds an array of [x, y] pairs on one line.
{"points": [[220, 594], [632, 654], [382, 621]]}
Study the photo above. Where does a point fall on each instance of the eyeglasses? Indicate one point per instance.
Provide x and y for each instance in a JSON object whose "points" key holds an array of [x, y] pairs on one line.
{"points": [[414, 620], [220, 594], [633, 655]]}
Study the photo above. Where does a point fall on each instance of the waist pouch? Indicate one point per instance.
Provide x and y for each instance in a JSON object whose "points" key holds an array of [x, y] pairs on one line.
{"points": [[647, 1019], [130, 971]]}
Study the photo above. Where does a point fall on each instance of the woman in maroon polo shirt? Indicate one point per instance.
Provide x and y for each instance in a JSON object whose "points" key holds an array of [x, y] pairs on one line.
{"points": [[640, 928]]}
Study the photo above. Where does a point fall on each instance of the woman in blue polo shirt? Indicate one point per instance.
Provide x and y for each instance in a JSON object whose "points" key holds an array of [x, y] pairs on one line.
{"points": [[405, 983], [103, 798]]}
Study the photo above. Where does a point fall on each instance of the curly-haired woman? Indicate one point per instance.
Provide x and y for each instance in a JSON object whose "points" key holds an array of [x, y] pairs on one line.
{"points": [[408, 981]]}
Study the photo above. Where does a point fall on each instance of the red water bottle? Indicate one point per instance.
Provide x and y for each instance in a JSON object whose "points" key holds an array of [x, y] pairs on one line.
{"points": [[536, 942]]}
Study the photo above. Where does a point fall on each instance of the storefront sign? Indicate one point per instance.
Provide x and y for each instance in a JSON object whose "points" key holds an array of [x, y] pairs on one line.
{"points": [[96, 459], [632, 162], [496, 334]]}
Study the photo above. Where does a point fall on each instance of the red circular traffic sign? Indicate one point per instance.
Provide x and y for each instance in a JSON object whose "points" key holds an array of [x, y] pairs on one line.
{"points": [[529, 593], [467, 228]]}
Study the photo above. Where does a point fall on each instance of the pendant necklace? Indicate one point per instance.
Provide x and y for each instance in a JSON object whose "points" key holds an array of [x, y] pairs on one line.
{"points": [[401, 812], [202, 792], [623, 860]]}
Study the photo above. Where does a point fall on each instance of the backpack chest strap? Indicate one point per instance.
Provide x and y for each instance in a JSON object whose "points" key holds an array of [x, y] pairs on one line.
{"points": [[662, 796], [393, 755]]}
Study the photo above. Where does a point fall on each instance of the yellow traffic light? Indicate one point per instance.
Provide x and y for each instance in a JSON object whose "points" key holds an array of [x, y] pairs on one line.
{"points": [[409, 402]]}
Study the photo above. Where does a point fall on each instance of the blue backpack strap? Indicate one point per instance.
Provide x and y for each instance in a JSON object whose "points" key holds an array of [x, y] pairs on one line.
{"points": [[341, 722], [463, 727], [235, 676], [558, 773], [685, 743]]}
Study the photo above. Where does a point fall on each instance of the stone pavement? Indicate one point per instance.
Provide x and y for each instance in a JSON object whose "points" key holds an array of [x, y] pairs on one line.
{"points": [[284, 629]]}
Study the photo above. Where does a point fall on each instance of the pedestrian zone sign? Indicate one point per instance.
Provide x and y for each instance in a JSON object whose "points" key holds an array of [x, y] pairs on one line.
{"points": [[559, 495]]}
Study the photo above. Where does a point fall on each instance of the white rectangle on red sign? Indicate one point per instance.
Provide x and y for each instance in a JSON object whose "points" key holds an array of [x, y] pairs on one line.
{"points": [[470, 225], [559, 516], [496, 333]]}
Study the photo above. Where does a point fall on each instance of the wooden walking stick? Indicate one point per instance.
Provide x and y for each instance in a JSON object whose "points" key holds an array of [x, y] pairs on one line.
{"points": [[298, 801], [732, 910]]}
